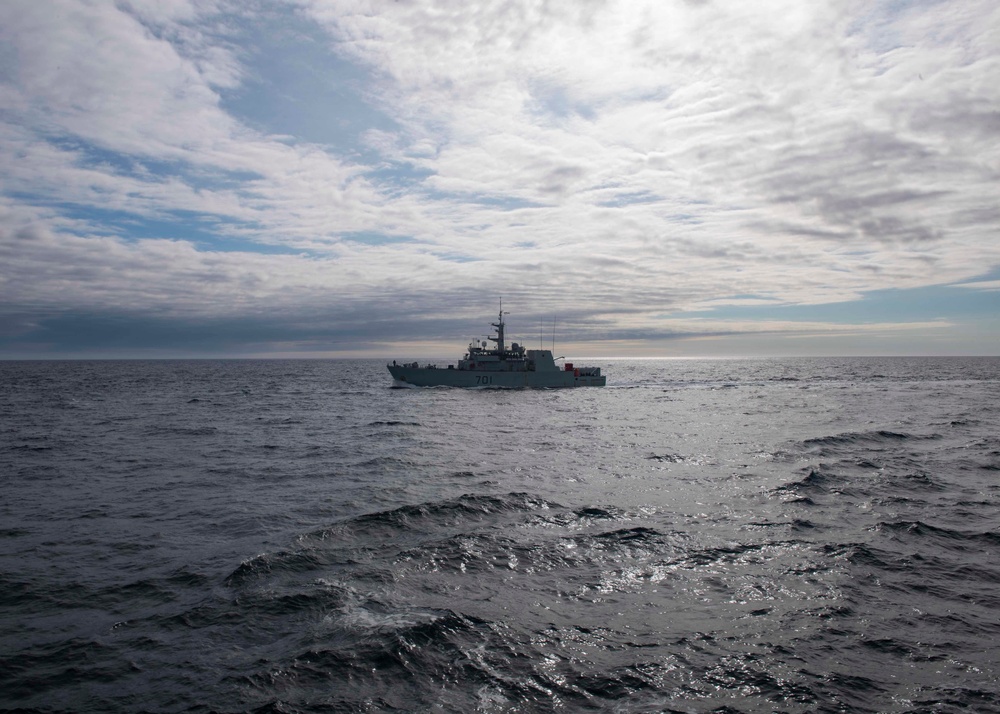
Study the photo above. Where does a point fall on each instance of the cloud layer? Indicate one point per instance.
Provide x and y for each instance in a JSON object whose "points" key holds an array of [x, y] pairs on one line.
{"points": [[334, 173]]}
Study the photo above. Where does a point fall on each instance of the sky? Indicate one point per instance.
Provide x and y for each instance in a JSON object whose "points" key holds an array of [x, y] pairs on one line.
{"points": [[316, 178]]}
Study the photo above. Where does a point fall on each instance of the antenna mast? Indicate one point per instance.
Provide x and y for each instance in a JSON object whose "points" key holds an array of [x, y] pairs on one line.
{"points": [[501, 347]]}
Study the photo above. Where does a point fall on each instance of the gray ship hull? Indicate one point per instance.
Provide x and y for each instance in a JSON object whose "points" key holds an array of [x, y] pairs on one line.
{"points": [[502, 367], [435, 377]]}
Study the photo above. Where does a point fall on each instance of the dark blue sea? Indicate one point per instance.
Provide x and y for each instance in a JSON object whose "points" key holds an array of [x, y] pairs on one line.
{"points": [[801, 535]]}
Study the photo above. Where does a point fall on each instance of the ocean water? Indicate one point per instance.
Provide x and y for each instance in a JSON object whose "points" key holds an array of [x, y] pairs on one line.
{"points": [[295, 536]]}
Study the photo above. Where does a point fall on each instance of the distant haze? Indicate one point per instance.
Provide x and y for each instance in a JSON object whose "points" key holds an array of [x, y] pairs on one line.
{"points": [[663, 178]]}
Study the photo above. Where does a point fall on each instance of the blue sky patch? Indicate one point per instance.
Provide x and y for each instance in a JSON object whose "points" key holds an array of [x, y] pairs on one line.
{"points": [[296, 85]]}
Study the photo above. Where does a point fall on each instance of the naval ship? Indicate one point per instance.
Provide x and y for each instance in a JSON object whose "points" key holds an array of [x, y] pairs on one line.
{"points": [[498, 367]]}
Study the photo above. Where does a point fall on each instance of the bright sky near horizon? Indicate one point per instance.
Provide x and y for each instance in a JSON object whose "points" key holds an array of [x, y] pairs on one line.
{"points": [[671, 177]]}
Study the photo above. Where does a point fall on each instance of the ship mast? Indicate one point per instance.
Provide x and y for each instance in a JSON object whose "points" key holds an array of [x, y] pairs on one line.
{"points": [[499, 338]]}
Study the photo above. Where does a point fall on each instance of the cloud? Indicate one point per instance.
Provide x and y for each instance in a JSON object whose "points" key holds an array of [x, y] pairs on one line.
{"points": [[989, 285], [609, 161]]}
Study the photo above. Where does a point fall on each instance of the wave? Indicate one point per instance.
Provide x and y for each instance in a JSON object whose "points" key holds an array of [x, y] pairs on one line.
{"points": [[267, 564], [182, 431], [628, 536], [919, 481], [796, 524], [467, 507], [726, 554], [402, 531], [393, 651], [866, 438], [865, 555], [318, 599], [817, 481], [28, 448], [857, 437], [469, 553], [482, 552], [667, 457], [595, 513], [945, 536]]}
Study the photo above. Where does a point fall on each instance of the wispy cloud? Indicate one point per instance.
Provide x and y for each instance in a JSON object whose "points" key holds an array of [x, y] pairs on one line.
{"points": [[989, 285], [610, 162]]}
